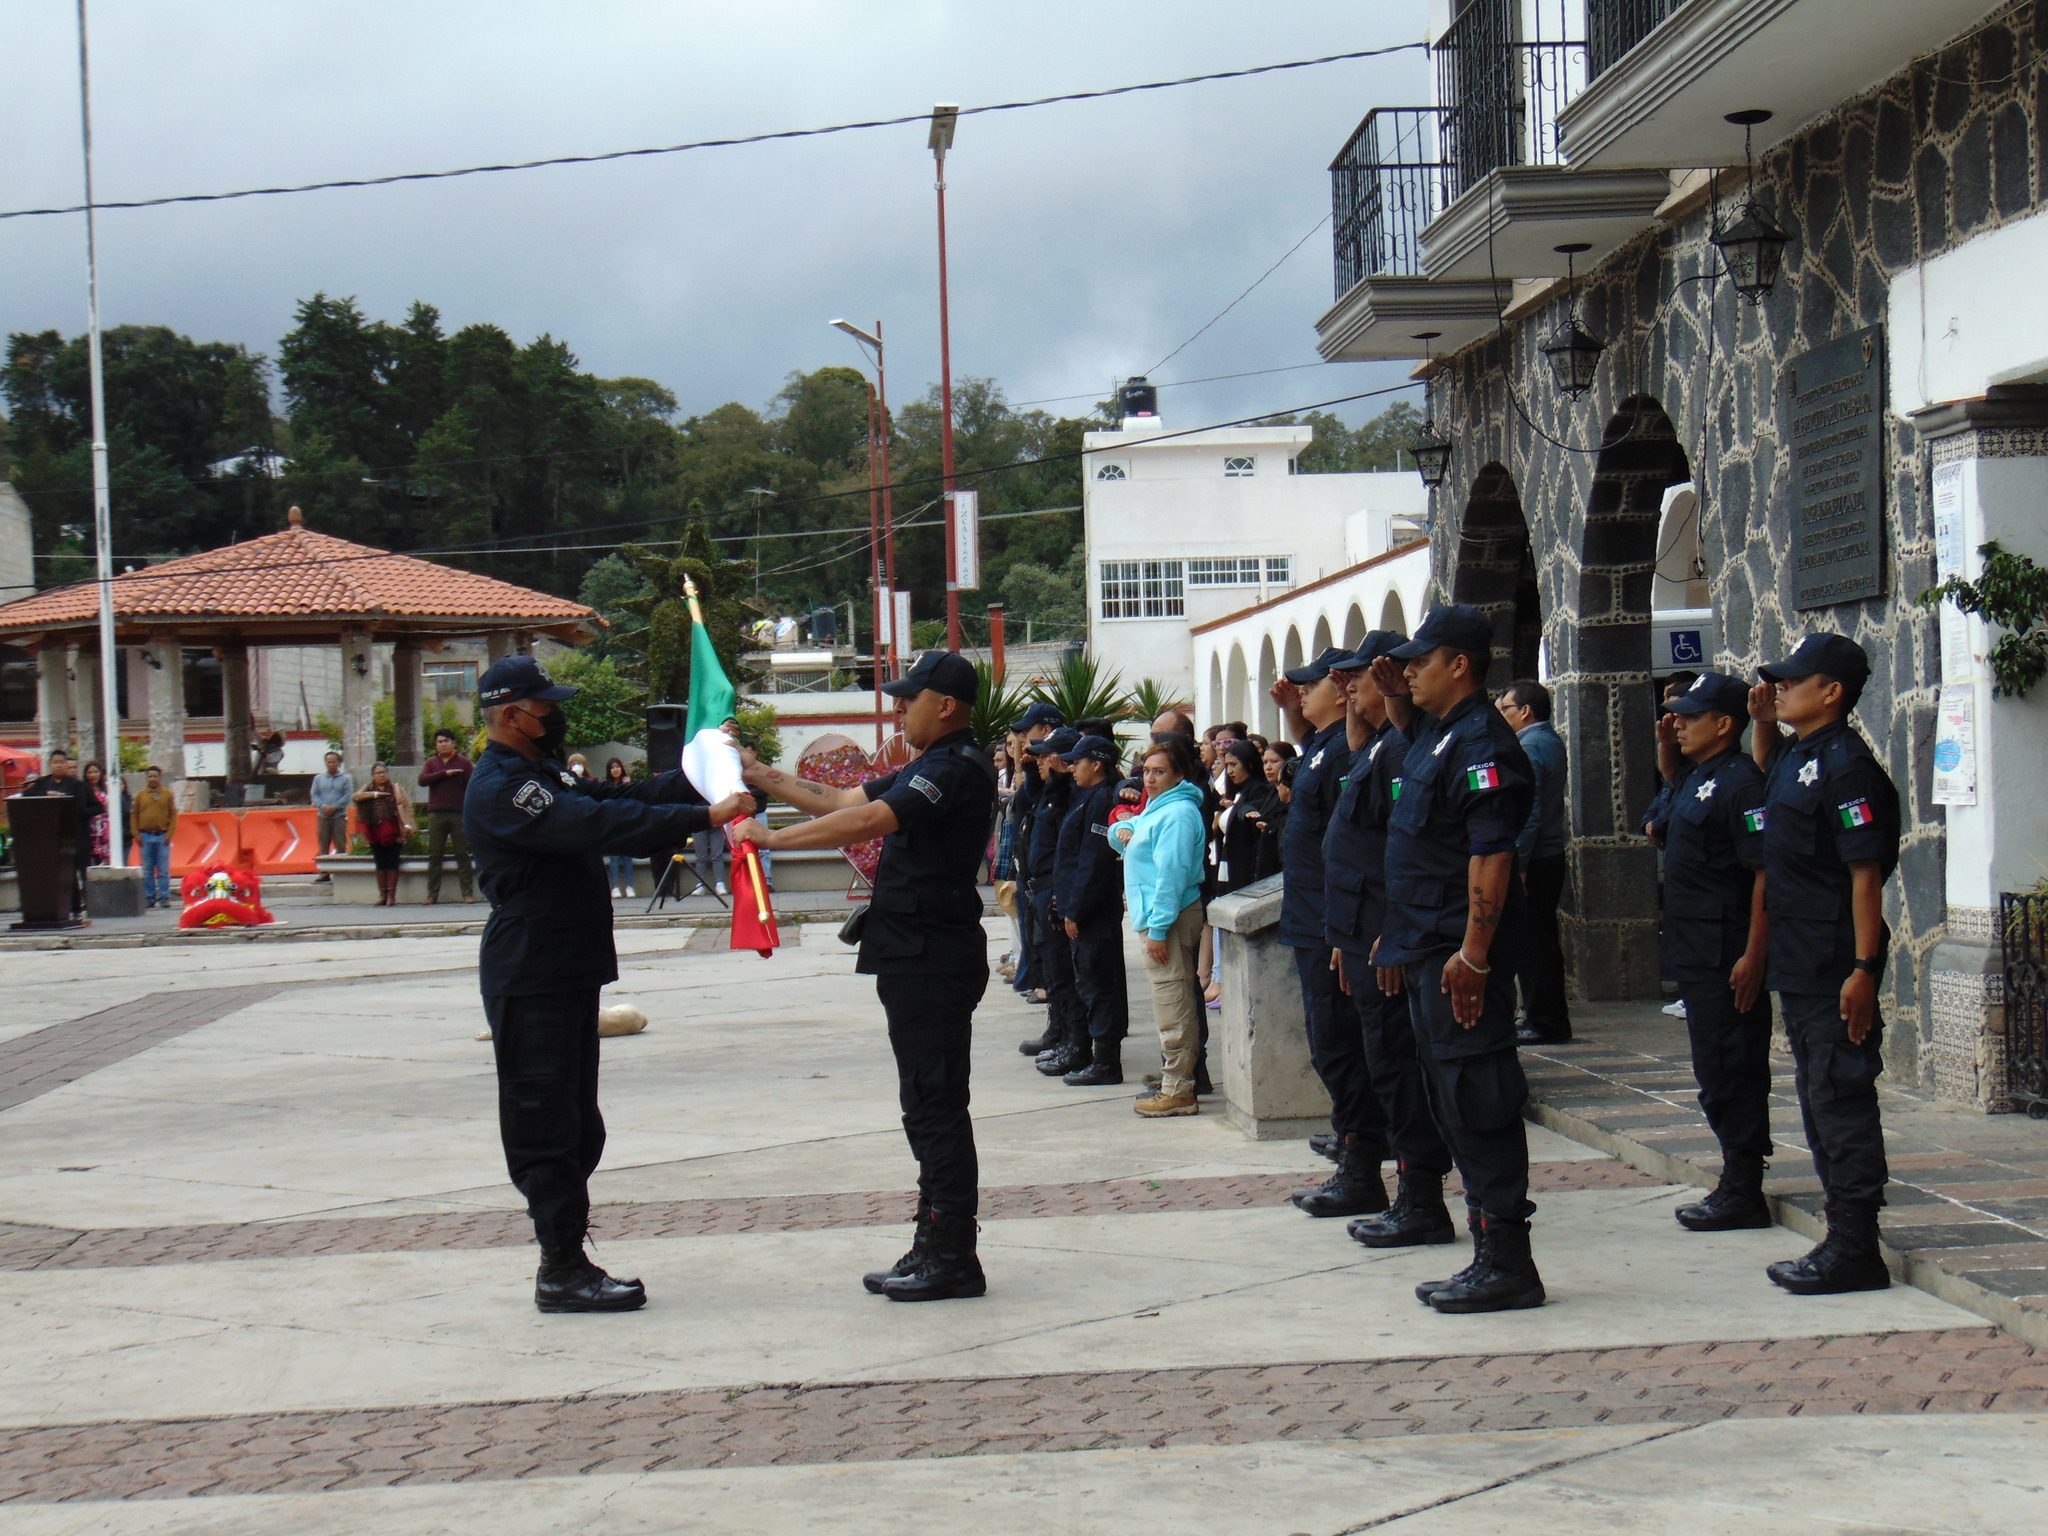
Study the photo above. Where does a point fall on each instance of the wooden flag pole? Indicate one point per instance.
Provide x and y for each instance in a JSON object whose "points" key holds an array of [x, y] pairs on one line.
{"points": [[752, 856]]}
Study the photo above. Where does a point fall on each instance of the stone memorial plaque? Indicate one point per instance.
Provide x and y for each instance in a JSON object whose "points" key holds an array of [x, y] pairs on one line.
{"points": [[1835, 398]]}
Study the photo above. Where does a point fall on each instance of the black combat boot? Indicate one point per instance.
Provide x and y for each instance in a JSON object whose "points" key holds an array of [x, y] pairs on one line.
{"points": [[1355, 1189], [1038, 1045], [1203, 1086], [569, 1282], [1071, 1055], [1105, 1070], [920, 1239], [1417, 1218], [1848, 1258], [1476, 1225], [948, 1269], [1735, 1204], [1505, 1278], [1324, 1145]]}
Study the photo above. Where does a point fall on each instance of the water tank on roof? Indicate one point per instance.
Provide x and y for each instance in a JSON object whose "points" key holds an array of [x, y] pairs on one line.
{"points": [[1137, 398]]}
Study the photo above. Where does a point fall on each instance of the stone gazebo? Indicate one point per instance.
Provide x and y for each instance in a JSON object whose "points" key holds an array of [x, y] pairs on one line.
{"points": [[295, 588]]}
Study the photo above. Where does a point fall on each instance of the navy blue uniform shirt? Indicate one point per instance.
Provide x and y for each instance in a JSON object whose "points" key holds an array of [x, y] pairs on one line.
{"points": [[1828, 803], [925, 914], [1319, 780], [1463, 792], [1712, 825], [1088, 880], [1355, 846], [539, 835]]}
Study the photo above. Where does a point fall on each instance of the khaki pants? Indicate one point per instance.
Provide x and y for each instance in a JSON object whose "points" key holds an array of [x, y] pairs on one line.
{"points": [[1174, 1002]]}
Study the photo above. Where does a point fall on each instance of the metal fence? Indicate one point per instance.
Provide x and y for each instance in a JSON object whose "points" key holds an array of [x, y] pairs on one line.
{"points": [[1615, 26], [2023, 927], [1502, 87], [1386, 183]]}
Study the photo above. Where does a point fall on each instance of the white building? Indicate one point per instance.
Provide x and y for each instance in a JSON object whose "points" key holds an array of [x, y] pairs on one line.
{"points": [[1184, 530]]}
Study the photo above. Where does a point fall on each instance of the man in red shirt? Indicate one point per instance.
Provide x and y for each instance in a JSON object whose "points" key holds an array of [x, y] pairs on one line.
{"points": [[445, 778]]}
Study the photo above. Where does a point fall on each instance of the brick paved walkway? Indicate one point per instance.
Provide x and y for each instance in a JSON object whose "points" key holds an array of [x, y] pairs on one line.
{"points": [[1952, 1371], [34, 1064], [24, 1247]]}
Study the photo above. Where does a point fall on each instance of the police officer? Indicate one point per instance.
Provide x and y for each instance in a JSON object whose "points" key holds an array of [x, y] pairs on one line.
{"points": [[1088, 895], [1038, 722], [1313, 700], [1714, 933], [924, 945], [539, 833], [1831, 840], [1067, 1020], [1453, 936], [1354, 912]]}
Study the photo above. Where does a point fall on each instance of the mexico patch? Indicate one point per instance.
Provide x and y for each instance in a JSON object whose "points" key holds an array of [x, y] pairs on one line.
{"points": [[1753, 821], [926, 787], [1856, 814], [1485, 776], [533, 798], [1397, 789]]}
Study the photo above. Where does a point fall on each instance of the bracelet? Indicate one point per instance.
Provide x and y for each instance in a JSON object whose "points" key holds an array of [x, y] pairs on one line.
{"points": [[1476, 970]]}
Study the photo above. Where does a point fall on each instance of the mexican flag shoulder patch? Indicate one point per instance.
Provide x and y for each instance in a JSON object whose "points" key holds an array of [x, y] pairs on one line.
{"points": [[1483, 776], [1856, 813], [1753, 821]]}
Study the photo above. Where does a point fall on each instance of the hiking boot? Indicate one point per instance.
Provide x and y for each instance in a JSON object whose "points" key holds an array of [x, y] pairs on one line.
{"points": [[1355, 1189], [1417, 1218], [569, 1282], [1848, 1258], [1735, 1204], [1505, 1278], [1163, 1104], [920, 1243], [1104, 1070], [1473, 1224], [948, 1269]]}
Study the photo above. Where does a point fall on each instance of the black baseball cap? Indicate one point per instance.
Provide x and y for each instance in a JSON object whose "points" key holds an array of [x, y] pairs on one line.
{"points": [[1835, 656], [1458, 625], [1713, 690], [937, 672], [1040, 713], [1318, 669], [1100, 748], [1060, 741], [1380, 642], [519, 677]]}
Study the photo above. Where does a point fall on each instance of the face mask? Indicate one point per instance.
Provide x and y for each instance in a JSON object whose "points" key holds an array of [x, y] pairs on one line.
{"points": [[553, 733]]}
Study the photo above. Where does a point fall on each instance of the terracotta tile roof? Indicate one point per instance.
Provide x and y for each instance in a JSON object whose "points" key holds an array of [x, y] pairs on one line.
{"points": [[296, 575]]}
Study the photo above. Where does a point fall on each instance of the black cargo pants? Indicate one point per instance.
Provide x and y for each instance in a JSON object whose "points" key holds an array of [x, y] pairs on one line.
{"points": [[931, 1031], [547, 1051], [1838, 1096], [1731, 1059], [1476, 1087]]}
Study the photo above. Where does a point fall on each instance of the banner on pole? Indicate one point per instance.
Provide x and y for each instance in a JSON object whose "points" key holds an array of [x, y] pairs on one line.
{"points": [[967, 540]]}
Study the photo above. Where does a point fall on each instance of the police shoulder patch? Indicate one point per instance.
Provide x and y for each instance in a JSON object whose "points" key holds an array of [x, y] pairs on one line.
{"points": [[533, 797], [926, 787]]}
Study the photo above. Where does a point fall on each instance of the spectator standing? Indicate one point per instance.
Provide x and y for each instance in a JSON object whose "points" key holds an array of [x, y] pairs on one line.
{"points": [[1251, 824], [333, 792], [1279, 762], [618, 865], [445, 778], [97, 828], [386, 812], [1162, 850], [156, 818], [62, 779], [1088, 898], [1539, 850]]}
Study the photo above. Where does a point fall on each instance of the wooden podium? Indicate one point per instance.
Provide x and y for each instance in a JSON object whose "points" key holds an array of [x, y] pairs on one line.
{"points": [[46, 834]]}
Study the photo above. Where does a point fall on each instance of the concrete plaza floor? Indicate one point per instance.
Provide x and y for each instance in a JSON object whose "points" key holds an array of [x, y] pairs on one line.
{"points": [[260, 1271]]}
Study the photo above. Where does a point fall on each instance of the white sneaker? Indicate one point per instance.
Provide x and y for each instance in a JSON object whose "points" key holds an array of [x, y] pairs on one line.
{"points": [[720, 888], [1675, 1010], [617, 893]]}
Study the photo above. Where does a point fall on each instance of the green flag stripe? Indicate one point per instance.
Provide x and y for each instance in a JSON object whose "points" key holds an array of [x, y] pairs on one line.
{"points": [[712, 697]]}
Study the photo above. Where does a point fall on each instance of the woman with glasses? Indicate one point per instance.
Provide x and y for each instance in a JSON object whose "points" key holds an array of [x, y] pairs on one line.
{"points": [[1163, 848]]}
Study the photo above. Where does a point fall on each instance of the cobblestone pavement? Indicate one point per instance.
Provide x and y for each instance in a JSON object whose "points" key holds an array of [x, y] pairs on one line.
{"points": [[259, 1272]]}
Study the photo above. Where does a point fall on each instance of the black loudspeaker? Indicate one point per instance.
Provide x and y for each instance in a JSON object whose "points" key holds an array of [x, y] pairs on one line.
{"points": [[665, 737]]}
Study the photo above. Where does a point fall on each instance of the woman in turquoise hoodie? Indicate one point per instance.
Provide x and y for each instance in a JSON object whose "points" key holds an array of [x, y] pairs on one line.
{"points": [[1162, 849]]}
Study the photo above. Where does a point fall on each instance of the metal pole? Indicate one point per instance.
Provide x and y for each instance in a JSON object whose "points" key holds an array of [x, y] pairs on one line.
{"points": [[874, 566], [888, 500], [946, 425], [102, 496]]}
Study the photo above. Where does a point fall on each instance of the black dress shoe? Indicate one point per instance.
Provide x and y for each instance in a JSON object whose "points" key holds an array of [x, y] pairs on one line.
{"points": [[1528, 1034], [573, 1284]]}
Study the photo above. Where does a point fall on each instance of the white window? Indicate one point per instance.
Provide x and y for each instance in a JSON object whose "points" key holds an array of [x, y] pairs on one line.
{"points": [[1142, 589], [1239, 465], [1110, 472], [1224, 571], [1279, 570]]}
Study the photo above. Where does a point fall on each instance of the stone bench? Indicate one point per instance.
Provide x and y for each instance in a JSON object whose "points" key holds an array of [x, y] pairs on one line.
{"points": [[1258, 1048]]}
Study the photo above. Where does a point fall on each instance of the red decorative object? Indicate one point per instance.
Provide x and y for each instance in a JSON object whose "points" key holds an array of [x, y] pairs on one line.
{"points": [[222, 896], [842, 763], [753, 909]]}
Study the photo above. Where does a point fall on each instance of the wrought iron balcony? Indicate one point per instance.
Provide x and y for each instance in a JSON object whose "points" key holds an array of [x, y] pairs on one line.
{"points": [[1501, 90], [1387, 182], [1613, 27]]}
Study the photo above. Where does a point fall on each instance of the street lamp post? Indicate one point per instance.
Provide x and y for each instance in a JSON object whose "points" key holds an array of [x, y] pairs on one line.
{"points": [[872, 340], [944, 119]]}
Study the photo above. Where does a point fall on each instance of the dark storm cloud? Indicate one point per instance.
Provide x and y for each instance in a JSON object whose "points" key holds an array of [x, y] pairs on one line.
{"points": [[1086, 241]]}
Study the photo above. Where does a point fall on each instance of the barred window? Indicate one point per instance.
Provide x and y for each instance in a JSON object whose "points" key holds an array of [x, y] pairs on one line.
{"points": [[1142, 589], [1279, 570], [1109, 472], [1225, 571], [1238, 465]]}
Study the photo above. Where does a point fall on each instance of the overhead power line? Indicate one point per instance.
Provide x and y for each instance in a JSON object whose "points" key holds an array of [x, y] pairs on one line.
{"points": [[733, 142]]}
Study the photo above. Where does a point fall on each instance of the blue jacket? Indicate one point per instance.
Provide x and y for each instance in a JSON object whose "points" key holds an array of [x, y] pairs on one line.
{"points": [[1163, 858], [1542, 836]]}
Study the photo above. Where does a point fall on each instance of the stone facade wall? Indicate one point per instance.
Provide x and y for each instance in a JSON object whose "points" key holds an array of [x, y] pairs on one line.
{"points": [[1690, 388]]}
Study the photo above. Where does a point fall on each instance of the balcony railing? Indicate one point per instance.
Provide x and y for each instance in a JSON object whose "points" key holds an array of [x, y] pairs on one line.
{"points": [[1386, 183], [1501, 91], [1613, 27]]}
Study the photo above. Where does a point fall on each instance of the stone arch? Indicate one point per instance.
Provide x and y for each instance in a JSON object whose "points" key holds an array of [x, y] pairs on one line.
{"points": [[1354, 628], [1215, 711], [1236, 687], [1606, 704], [1496, 572], [1391, 614], [1290, 654], [1268, 712], [1321, 641]]}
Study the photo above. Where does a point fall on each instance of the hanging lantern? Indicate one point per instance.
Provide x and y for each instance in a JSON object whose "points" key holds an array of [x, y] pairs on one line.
{"points": [[1431, 450], [1572, 351], [1753, 247]]}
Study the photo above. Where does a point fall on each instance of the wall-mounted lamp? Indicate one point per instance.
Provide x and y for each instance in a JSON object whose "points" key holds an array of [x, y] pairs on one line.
{"points": [[1753, 247], [361, 663], [1431, 450], [1572, 351]]}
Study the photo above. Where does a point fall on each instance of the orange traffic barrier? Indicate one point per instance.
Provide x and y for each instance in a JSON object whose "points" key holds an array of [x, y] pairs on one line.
{"points": [[280, 841], [203, 838]]}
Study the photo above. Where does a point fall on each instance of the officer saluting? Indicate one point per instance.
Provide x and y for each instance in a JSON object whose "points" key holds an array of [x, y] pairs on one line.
{"points": [[539, 833], [1711, 828], [923, 943], [1453, 935], [1831, 840]]}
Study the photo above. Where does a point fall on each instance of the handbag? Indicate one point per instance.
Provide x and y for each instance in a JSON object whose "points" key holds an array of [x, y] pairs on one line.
{"points": [[856, 924]]}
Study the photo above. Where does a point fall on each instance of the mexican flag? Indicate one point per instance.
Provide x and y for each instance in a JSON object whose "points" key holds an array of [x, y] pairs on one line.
{"points": [[711, 760], [1485, 776]]}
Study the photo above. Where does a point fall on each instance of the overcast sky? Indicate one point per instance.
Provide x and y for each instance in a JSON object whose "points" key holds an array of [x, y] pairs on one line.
{"points": [[1087, 240]]}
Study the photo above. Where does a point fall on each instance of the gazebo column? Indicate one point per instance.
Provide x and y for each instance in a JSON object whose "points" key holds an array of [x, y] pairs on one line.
{"points": [[500, 643], [358, 703], [53, 698], [167, 706], [405, 702], [234, 710], [92, 726]]}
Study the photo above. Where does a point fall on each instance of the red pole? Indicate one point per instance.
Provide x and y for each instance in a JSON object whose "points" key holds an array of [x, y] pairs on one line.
{"points": [[874, 570], [888, 501], [995, 638], [946, 427]]}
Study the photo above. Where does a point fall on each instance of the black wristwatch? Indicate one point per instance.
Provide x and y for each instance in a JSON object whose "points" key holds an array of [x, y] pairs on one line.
{"points": [[1868, 967]]}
